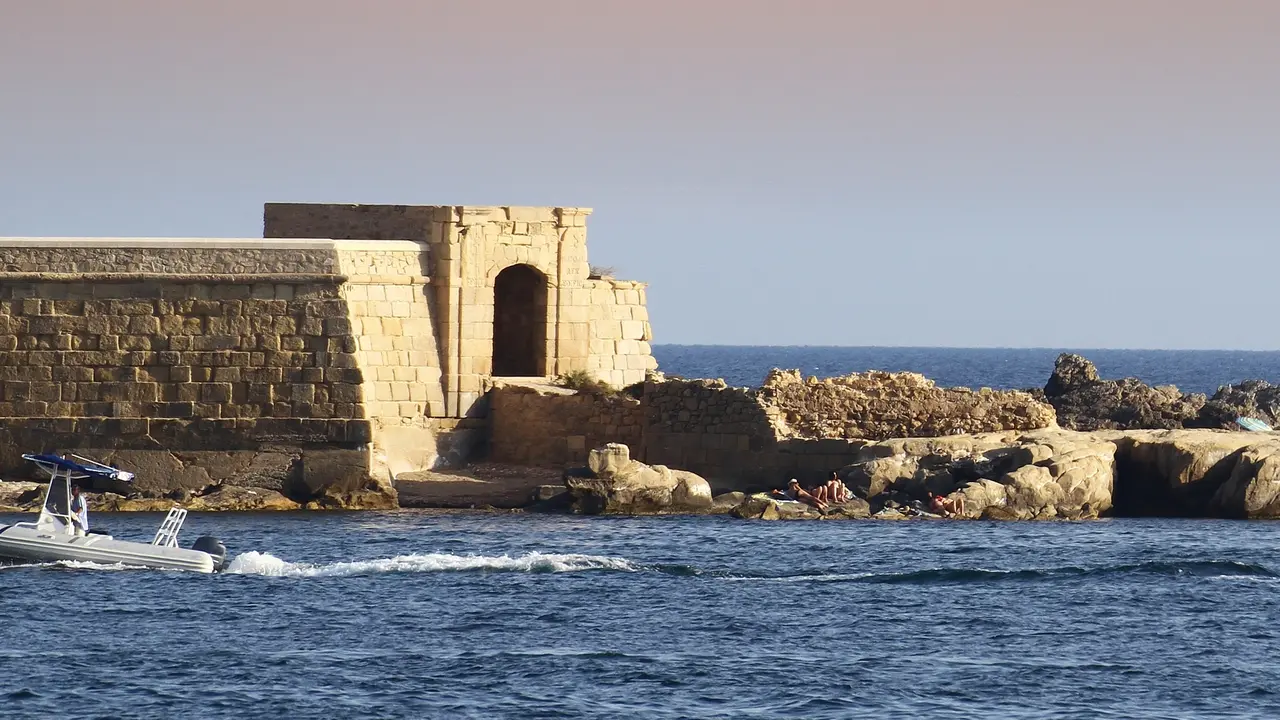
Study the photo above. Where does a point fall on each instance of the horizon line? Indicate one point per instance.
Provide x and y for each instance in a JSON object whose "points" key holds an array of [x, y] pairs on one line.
{"points": [[963, 347]]}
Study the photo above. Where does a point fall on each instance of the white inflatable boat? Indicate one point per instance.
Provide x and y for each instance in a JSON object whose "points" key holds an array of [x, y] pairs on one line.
{"points": [[58, 535]]}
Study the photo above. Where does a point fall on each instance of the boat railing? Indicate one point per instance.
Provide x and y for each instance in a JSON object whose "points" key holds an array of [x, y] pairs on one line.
{"points": [[167, 535]]}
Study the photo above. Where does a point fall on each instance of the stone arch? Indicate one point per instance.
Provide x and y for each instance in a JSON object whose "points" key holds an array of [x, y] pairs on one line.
{"points": [[520, 322]]}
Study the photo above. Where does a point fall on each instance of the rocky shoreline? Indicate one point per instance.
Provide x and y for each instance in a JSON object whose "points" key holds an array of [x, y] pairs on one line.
{"points": [[1082, 447]]}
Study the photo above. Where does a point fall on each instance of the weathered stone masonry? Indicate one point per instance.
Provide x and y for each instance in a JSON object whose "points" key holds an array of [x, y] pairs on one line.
{"points": [[374, 341], [601, 325], [743, 438]]}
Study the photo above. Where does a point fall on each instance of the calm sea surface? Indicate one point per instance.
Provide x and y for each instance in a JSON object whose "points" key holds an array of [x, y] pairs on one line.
{"points": [[1191, 370], [417, 615], [471, 615]]}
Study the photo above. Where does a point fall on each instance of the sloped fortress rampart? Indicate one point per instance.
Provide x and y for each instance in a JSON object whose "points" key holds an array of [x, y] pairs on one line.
{"points": [[369, 329]]}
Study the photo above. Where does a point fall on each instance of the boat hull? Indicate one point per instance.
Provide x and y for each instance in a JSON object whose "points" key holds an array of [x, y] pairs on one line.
{"points": [[21, 542]]}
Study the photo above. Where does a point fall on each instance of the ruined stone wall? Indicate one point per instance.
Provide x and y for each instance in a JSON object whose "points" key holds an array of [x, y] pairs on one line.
{"points": [[879, 405], [719, 432], [556, 429], [741, 438]]}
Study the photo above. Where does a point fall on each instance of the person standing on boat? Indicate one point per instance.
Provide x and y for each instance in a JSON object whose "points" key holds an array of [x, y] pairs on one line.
{"points": [[79, 509]]}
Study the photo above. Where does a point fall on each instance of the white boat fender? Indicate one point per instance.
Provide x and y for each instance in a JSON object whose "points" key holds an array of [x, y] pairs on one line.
{"points": [[214, 548]]}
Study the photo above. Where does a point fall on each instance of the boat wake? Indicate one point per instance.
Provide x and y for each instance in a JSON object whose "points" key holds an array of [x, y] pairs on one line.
{"points": [[266, 564], [70, 565]]}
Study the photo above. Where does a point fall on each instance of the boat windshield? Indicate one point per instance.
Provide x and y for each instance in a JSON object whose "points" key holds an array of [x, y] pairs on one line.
{"points": [[56, 513]]}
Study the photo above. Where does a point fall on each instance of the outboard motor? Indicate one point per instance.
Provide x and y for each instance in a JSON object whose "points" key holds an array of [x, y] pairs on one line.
{"points": [[214, 547]]}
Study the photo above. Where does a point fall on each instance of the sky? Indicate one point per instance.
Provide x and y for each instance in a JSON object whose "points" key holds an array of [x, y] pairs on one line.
{"points": [[987, 173]]}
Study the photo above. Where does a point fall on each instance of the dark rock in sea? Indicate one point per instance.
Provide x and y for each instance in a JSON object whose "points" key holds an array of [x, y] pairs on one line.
{"points": [[1084, 402], [998, 512], [1251, 398], [547, 492], [1070, 372]]}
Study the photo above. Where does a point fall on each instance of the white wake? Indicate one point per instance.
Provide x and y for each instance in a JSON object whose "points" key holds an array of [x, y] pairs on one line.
{"points": [[256, 563]]}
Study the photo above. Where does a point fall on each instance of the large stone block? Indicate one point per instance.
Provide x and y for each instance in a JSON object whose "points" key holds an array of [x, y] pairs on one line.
{"points": [[612, 459]]}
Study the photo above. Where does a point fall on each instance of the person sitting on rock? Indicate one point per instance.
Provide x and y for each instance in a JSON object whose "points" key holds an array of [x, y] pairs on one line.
{"points": [[798, 494], [833, 490], [940, 505]]}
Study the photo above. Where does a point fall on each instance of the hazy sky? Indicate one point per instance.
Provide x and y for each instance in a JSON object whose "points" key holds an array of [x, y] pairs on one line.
{"points": [[1092, 173]]}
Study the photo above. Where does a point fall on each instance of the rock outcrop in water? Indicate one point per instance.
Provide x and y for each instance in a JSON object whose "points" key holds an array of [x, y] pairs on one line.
{"points": [[1038, 475], [1199, 473], [1251, 398], [1085, 402], [1058, 474], [613, 483]]}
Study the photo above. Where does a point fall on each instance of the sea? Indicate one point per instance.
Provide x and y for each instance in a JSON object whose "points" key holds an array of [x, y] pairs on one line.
{"points": [[1202, 371], [468, 614]]}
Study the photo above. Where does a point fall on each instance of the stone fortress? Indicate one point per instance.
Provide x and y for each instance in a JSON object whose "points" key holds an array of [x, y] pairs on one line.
{"points": [[349, 344], [355, 346]]}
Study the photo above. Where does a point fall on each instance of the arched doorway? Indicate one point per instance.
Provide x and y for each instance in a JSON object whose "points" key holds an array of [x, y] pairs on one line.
{"points": [[520, 323]]}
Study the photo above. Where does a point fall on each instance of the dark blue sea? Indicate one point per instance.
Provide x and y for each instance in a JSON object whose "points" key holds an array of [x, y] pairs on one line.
{"points": [[464, 615], [417, 614], [1000, 368]]}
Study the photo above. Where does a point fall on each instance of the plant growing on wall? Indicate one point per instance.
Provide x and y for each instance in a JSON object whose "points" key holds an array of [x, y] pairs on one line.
{"points": [[584, 381]]}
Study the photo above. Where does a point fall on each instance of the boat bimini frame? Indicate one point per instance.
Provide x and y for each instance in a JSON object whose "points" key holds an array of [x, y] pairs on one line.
{"points": [[55, 513]]}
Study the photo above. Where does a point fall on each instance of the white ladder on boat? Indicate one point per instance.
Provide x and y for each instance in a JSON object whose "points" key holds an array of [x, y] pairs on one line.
{"points": [[167, 535]]}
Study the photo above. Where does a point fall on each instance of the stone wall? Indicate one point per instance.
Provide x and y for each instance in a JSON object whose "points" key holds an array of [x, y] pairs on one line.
{"points": [[238, 357], [881, 405], [600, 325], [171, 349], [619, 332], [393, 340], [555, 428], [368, 329], [741, 438], [166, 256]]}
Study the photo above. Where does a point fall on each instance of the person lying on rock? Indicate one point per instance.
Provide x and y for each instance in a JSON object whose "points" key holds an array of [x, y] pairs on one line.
{"points": [[833, 490], [946, 507], [799, 494]]}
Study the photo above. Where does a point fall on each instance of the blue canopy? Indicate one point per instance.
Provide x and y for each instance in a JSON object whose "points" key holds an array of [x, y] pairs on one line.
{"points": [[79, 471]]}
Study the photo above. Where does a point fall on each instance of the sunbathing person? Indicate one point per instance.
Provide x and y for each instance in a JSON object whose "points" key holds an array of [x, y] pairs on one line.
{"points": [[799, 494], [946, 507]]}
